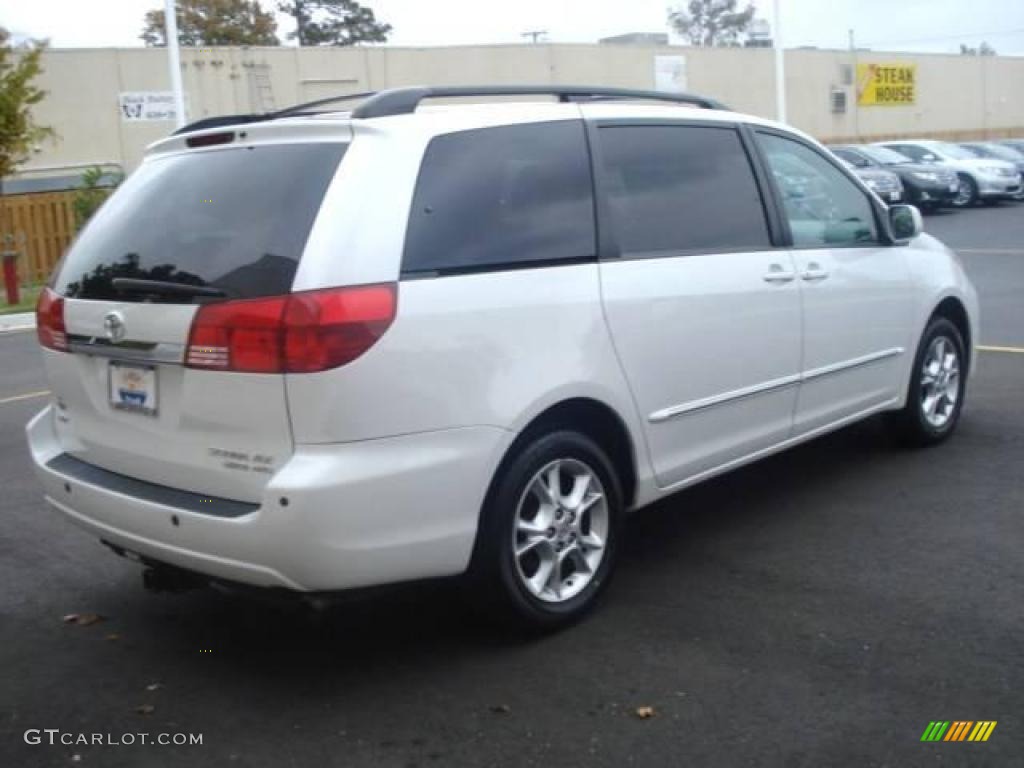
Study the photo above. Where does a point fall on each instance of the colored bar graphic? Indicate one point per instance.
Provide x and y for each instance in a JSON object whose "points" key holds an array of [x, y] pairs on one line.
{"points": [[935, 730], [958, 730]]}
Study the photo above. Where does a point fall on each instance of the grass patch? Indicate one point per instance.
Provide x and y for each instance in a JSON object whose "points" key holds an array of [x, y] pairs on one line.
{"points": [[27, 303]]}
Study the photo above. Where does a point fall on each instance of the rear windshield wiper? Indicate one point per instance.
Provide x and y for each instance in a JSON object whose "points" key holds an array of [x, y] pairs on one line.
{"points": [[163, 288]]}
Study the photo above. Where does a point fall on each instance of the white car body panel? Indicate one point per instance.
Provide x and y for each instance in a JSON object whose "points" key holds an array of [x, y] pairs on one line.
{"points": [[379, 468], [857, 325], [710, 385]]}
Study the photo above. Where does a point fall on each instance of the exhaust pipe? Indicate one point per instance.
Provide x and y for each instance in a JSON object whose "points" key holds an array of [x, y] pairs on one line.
{"points": [[163, 578]]}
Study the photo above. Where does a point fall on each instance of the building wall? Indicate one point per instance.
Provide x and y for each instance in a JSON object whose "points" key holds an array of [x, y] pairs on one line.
{"points": [[957, 96]]}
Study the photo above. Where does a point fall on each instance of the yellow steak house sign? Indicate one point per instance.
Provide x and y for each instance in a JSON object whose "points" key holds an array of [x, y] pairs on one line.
{"points": [[886, 85]]}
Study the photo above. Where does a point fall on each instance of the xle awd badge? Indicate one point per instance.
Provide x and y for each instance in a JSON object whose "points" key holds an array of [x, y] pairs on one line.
{"points": [[113, 326]]}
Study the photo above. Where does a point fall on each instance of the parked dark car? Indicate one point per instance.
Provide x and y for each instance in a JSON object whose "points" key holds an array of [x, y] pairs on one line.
{"points": [[999, 151], [885, 184], [926, 186]]}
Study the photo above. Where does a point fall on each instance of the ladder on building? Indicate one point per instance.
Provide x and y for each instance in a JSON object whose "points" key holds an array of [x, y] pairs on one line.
{"points": [[261, 92]]}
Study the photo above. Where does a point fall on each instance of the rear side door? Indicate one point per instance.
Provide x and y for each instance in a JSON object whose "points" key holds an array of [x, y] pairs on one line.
{"points": [[858, 302], [703, 308]]}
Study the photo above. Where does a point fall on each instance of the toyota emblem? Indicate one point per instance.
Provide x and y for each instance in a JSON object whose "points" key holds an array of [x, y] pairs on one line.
{"points": [[113, 326]]}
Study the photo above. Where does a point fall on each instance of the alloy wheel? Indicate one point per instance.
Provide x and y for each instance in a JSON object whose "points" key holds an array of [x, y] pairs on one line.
{"points": [[561, 530], [940, 382]]}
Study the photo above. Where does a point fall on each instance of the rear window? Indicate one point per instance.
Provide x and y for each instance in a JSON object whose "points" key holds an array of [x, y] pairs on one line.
{"points": [[235, 220], [496, 198]]}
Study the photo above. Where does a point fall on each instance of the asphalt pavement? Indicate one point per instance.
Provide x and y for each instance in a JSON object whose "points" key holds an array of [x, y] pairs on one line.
{"points": [[819, 608]]}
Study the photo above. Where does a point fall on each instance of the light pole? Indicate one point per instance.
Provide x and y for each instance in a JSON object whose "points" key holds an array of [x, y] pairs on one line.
{"points": [[780, 67], [174, 61]]}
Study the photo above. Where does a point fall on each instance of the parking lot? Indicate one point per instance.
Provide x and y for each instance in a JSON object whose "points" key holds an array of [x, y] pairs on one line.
{"points": [[819, 608]]}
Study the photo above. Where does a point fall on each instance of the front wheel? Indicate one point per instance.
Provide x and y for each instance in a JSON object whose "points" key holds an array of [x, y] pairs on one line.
{"points": [[548, 533], [935, 395], [967, 194]]}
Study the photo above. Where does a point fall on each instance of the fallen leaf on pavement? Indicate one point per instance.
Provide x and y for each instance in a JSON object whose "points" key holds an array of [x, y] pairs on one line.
{"points": [[82, 619], [501, 709], [154, 686], [113, 636], [145, 709], [644, 712]]}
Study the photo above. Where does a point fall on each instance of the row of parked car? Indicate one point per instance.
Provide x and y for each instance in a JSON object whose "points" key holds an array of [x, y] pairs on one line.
{"points": [[933, 174]]}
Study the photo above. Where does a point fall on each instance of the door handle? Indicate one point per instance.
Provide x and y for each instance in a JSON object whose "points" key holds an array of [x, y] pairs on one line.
{"points": [[813, 271], [776, 274]]}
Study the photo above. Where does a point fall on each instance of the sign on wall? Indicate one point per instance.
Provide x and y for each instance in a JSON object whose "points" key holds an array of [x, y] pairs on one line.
{"points": [[147, 105], [670, 74], [886, 85]]}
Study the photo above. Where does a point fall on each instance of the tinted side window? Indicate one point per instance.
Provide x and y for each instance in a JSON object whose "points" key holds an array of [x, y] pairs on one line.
{"points": [[823, 206], [853, 158], [681, 188], [501, 197], [910, 150]]}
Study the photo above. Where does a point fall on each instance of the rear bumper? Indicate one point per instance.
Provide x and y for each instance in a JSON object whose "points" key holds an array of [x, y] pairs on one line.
{"points": [[334, 517]]}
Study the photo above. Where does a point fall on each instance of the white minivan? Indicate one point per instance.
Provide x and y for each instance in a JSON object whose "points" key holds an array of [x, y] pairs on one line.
{"points": [[327, 350]]}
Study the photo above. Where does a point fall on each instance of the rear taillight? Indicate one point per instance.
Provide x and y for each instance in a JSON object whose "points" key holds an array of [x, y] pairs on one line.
{"points": [[50, 321], [299, 333]]}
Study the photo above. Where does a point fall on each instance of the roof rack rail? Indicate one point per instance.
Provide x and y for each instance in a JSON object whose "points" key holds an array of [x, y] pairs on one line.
{"points": [[402, 101], [296, 110]]}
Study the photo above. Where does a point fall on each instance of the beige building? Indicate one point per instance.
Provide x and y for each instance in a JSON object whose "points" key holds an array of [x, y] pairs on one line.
{"points": [[108, 104]]}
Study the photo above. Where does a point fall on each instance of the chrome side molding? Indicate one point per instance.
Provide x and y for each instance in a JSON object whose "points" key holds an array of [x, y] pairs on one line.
{"points": [[770, 386]]}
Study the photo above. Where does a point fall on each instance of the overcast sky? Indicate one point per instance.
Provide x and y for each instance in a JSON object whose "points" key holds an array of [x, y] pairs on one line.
{"points": [[913, 25]]}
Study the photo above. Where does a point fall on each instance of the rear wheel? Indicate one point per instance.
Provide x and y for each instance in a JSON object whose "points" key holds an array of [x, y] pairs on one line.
{"points": [[548, 533], [936, 391], [967, 195]]}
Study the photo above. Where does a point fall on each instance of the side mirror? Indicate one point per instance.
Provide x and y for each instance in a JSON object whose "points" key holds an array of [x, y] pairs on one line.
{"points": [[905, 223]]}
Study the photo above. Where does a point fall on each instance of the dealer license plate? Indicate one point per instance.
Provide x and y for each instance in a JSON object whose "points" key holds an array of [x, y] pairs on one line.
{"points": [[133, 387]]}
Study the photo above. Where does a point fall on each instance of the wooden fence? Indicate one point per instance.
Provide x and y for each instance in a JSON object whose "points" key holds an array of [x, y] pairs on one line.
{"points": [[43, 225]]}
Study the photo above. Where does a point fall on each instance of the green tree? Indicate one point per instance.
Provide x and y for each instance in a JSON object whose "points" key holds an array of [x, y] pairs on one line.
{"points": [[19, 133], [214, 22], [712, 22], [334, 22], [96, 186]]}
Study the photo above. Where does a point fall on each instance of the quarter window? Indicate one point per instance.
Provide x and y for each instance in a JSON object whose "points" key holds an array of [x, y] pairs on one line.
{"points": [[502, 197], [681, 188], [824, 207]]}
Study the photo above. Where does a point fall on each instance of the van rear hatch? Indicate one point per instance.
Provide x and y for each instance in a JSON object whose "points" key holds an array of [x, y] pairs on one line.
{"points": [[221, 226]]}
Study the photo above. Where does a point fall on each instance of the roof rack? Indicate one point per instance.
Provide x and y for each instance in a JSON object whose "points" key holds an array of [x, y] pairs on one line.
{"points": [[294, 111], [403, 101]]}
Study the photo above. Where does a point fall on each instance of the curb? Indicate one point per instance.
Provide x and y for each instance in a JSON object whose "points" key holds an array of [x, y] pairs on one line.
{"points": [[23, 321]]}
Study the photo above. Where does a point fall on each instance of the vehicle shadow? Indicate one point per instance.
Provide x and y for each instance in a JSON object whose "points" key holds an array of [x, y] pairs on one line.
{"points": [[413, 623]]}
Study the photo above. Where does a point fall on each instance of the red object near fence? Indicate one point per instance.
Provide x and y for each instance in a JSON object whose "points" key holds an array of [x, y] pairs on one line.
{"points": [[11, 277]]}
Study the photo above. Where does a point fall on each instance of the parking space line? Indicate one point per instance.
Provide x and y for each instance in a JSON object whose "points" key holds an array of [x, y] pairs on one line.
{"points": [[1000, 251], [1011, 350], [26, 396]]}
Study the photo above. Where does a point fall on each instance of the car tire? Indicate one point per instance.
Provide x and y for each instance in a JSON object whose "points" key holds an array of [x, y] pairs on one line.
{"points": [[935, 392], [968, 193], [548, 533]]}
